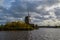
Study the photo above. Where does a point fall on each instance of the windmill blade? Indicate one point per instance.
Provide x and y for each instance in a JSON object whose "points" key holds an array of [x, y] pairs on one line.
{"points": [[27, 9]]}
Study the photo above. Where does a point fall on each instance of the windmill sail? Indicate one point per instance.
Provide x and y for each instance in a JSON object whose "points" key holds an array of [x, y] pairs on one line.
{"points": [[27, 18], [28, 10]]}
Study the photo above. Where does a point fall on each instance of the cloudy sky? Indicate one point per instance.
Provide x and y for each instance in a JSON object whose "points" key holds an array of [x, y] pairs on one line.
{"points": [[42, 12]]}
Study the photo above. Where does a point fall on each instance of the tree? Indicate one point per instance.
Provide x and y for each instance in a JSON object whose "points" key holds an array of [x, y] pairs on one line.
{"points": [[17, 25]]}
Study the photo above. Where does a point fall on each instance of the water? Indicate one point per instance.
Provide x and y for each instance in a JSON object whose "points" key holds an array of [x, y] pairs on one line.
{"points": [[39, 34]]}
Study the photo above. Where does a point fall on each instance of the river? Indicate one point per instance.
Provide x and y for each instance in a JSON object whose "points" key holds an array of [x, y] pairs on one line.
{"points": [[39, 34]]}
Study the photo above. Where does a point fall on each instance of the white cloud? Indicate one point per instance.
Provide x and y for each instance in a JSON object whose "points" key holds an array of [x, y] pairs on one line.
{"points": [[50, 22], [52, 7], [46, 16]]}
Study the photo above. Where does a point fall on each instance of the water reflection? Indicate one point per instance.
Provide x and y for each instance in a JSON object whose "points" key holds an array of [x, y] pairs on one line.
{"points": [[40, 34]]}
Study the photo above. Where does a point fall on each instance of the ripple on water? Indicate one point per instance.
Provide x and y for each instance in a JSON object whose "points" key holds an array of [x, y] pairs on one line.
{"points": [[40, 34]]}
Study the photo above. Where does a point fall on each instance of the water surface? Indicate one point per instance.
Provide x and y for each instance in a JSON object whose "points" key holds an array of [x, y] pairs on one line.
{"points": [[39, 34]]}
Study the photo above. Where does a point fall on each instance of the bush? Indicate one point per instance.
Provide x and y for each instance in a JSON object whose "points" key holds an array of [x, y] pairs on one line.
{"points": [[17, 25]]}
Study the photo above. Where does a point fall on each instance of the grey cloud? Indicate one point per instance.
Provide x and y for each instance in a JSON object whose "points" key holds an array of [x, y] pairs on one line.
{"points": [[57, 11], [18, 9]]}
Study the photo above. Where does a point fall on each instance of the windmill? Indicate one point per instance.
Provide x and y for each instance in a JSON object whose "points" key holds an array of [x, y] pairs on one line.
{"points": [[27, 18]]}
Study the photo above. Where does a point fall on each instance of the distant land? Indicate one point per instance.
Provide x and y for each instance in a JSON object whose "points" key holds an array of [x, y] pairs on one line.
{"points": [[19, 25]]}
